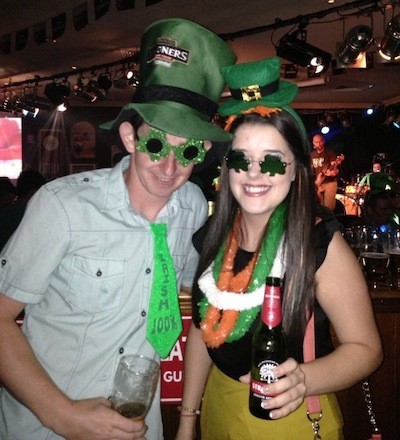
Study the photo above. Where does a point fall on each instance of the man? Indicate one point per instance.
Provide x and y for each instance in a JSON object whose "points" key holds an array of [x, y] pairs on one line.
{"points": [[376, 181], [89, 261], [325, 164], [378, 211]]}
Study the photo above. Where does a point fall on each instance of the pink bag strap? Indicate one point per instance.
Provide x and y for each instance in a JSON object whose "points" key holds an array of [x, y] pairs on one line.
{"points": [[312, 402]]}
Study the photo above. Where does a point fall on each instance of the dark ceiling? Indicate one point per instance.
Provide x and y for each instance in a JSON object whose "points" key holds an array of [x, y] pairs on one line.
{"points": [[111, 31]]}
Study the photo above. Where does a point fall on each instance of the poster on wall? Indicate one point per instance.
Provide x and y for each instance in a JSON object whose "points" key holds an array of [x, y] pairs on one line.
{"points": [[83, 140], [50, 153], [10, 147]]}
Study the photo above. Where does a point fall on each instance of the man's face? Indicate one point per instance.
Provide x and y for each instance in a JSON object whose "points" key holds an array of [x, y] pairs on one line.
{"points": [[160, 178], [382, 212], [318, 143], [376, 167]]}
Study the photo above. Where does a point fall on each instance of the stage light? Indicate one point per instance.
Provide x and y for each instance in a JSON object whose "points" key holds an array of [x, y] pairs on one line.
{"points": [[57, 92], [39, 102], [93, 87], [133, 81], [63, 106], [8, 105], [355, 44], [80, 90], [391, 115], [303, 54], [389, 47], [323, 124], [104, 81]]}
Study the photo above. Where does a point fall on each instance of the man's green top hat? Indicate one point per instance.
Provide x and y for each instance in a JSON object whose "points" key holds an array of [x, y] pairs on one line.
{"points": [[180, 80]]}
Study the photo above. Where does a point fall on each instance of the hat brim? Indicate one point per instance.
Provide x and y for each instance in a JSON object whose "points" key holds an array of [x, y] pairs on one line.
{"points": [[172, 118], [285, 94]]}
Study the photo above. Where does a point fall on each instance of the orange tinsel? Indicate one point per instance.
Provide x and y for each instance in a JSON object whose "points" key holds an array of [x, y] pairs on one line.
{"points": [[218, 324], [259, 109]]}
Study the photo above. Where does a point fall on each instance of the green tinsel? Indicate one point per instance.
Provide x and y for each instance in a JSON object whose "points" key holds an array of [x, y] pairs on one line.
{"points": [[262, 269]]}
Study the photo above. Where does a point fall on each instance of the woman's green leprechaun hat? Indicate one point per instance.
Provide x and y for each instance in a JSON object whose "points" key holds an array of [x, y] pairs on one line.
{"points": [[180, 80], [257, 83]]}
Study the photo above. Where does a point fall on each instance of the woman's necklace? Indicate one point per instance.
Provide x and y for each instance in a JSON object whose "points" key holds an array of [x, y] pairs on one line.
{"points": [[225, 324]]}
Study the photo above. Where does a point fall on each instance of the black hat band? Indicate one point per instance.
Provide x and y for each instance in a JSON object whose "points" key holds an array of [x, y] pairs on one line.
{"points": [[254, 92], [176, 94]]}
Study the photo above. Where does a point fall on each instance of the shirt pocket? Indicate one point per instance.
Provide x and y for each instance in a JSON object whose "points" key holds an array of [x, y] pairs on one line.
{"points": [[96, 284]]}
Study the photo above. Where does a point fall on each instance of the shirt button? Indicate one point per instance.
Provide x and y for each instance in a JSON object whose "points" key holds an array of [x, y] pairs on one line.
{"points": [[143, 313], [99, 273], [86, 179], [148, 270], [121, 350], [3, 262]]}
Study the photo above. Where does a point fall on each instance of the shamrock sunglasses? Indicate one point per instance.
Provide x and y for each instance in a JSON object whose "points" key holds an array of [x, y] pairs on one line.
{"points": [[271, 164], [156, 146]]}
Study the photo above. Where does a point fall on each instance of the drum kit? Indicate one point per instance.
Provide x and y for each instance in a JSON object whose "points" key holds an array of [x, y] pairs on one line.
{"points": [[351, 197]]}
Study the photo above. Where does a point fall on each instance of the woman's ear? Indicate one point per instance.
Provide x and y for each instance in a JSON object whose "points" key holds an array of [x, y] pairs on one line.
{"points": [[207, 145], [127, 134]]}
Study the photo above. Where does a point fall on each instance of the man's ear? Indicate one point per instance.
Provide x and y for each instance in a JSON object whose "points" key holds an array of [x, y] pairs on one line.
{"points": [[127, 134]]}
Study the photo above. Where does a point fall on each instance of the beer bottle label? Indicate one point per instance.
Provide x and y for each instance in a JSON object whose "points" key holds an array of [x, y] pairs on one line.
{"points": [[271, 313]]}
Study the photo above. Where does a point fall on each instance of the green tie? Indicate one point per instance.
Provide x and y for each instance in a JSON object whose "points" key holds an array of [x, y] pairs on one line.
{"points": [[164, 323]]}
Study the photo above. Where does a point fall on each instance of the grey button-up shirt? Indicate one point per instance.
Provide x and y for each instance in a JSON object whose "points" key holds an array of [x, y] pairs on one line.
{"points": [[82, 261]]}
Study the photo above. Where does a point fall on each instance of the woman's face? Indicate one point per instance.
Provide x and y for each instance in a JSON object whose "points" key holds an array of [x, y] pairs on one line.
{"points": [[259, 193]]}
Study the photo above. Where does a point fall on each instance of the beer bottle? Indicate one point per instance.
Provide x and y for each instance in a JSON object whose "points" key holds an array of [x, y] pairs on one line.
{"points": [[268, 347]]}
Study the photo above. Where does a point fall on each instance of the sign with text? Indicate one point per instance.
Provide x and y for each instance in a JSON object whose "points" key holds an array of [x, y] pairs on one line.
{"points": [[172, 368]]}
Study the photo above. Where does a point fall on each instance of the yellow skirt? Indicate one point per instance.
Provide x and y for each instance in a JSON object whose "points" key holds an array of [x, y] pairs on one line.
{"points": [[225, 415]]}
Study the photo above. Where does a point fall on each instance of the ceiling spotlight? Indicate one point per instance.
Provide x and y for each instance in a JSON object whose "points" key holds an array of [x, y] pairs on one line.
{"points": [[36, 102], [93, 87], [63, 106], [80, 90], [323, 124], [389, 47], [303, 54], [390, 116], [119, 80], [104, 81], [57, 92], [355, 44], [133, 80], [8, 105], [345, 121]]}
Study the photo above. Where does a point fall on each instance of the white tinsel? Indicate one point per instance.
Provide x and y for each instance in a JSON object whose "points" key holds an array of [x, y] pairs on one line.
{"points": [[225, 300]]}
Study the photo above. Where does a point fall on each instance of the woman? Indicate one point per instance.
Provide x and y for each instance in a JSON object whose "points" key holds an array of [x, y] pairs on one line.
{"points": [[266, 214]]}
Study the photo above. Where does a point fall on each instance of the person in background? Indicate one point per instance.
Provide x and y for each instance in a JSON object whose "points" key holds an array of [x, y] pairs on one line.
{"points": [[28, 182], [325, 164], [267, 223], [376, 181], [378, 211], [85, 260], [7, 192]]}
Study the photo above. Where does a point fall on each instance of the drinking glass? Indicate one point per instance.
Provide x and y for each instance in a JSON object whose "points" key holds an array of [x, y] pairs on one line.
{"points": [[394, 264], [134, 386], [352, 235], [374, 257]]}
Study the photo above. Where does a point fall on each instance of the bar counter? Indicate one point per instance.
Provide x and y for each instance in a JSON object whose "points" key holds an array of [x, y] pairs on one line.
{"points": [[384, 383]]}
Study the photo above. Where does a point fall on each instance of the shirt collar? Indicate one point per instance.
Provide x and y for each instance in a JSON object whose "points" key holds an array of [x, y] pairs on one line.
{"points": [[117, 196]]}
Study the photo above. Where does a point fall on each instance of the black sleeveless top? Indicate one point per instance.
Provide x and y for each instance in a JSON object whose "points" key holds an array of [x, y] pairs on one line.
{"points": [[234, 358]]}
